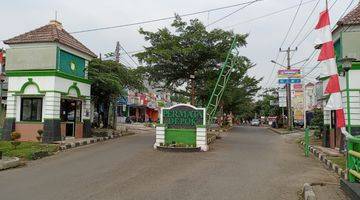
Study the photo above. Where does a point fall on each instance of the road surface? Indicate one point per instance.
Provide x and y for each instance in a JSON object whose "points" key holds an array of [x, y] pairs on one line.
{"points": [[248, 163]]}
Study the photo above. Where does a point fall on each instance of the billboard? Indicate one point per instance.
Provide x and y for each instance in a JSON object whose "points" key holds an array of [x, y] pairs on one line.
{"points": [[289, 73]]}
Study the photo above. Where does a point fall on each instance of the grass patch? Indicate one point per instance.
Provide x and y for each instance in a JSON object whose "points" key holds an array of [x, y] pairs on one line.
{"points": [[26, 150], [341, 161]]}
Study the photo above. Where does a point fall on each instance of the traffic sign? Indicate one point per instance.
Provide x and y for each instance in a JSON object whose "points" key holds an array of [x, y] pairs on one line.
{"points": [[289, 81]]}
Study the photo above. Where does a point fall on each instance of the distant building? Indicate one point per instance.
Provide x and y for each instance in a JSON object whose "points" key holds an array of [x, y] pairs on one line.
{"points": [[310, 97], [319, 96], [3, 79], [48, 85], [143, 106]]}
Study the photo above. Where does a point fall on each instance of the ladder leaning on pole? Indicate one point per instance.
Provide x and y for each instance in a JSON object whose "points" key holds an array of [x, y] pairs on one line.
{"points": [[227, 67]]}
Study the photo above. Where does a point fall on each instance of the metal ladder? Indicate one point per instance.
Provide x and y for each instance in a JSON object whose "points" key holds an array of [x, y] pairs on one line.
{"points": [[225, 73]]}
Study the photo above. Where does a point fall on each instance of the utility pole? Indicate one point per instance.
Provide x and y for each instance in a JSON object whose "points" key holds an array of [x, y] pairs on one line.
{"points": [[288, 87], [117, 52], [192, 80]]}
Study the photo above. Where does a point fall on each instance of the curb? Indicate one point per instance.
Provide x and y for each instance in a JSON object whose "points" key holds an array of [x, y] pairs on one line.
{"points": [[282, 133], [220, 130], [211, 139], [308, 192], [329, 164], [9, 163], [89, 141], [178, 149]]}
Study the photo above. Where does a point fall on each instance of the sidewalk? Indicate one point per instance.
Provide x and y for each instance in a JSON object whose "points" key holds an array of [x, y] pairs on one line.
{"points": [[72, 143]]}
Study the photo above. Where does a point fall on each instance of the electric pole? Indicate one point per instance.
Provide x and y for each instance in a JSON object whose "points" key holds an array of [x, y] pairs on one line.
{"points": [[288, 87], [117, 52], [192, 82]]}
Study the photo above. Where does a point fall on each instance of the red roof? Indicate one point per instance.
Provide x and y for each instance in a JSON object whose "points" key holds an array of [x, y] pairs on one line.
{"points": [[352, 18], [52, 32]]}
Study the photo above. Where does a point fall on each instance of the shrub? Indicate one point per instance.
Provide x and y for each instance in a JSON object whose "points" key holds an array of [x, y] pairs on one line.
{"points": [[14, 137]]}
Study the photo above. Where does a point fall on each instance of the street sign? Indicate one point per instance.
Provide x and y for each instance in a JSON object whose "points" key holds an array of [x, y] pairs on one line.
{"points": [[290, 73], [282, 97], [282, 103], [289, 81]]}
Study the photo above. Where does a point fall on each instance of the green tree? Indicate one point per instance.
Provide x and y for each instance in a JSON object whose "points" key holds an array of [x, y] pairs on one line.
{"points": [[189, 49], [109, 81], [263, 106], [318, 120]]}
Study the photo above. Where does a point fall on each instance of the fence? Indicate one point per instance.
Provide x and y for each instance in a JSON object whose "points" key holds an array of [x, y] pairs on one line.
{"points": [[353, 159]]}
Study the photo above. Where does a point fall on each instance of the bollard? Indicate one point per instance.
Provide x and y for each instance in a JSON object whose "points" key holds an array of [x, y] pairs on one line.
{"points": [[307, 141], [1, 155]]}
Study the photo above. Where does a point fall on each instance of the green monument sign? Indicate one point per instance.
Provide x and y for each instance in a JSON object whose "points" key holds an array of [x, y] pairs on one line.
{"points": [[182, 117], [182, 125]]}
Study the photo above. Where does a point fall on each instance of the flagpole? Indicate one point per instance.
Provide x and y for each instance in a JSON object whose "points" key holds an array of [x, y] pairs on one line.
{"points": [[327, 4]]}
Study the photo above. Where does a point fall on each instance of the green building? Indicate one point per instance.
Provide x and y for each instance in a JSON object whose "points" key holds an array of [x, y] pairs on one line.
{"points": [[48, 85]]}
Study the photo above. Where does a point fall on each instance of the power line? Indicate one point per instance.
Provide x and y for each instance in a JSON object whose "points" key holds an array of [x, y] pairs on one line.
{"points": [[128, 55], [287, 34], [161, 19], [312, 29], [312, 69], [228, 15], [269, 14], [292, 23], [342, 15], [307, 20], [130, 65]]}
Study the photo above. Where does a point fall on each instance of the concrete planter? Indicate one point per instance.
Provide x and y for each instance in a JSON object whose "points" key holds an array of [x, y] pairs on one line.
{"points": [[9, 162]]}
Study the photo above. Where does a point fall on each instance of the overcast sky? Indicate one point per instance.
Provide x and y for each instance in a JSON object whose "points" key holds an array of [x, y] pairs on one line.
{"points": [[266, 35]]}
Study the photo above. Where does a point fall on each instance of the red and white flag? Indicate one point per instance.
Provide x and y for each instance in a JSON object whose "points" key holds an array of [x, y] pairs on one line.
{"points": [[329, 67]]}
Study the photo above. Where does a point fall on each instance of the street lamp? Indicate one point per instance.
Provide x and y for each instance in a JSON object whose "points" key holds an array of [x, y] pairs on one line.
{"points": [[346, 65]]}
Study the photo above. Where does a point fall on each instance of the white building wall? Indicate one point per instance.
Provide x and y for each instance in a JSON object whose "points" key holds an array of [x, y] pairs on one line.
{"points": [[52, 105], [49, 83], [11, 105]]}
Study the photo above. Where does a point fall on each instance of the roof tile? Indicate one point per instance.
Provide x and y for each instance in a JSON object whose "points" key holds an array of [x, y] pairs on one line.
{"points": [[52, 32], [352, 18]]}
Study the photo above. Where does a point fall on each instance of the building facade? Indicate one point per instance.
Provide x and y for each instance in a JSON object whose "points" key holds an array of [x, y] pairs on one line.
{"points": [[346, 37], [48, 85]]}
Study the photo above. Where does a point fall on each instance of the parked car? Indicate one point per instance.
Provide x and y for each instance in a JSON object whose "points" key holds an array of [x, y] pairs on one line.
{"points": [[255, 122]]}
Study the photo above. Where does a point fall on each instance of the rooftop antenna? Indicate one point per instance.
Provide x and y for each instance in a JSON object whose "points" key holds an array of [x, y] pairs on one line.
{"points": [[55, 15]]}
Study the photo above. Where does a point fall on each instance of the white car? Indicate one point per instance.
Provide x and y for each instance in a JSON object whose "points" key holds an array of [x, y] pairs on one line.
{"points": [[255, 122]]}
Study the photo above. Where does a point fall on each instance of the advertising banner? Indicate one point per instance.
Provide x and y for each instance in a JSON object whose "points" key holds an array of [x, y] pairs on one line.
{"points": [[292, 73]]}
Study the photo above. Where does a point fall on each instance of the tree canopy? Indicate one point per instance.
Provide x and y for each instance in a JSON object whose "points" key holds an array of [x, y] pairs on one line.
{"points": [[189, 49], [109, 81]]}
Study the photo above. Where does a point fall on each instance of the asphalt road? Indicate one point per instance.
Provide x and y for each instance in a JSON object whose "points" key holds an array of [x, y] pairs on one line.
{"points": [[249, 163]]}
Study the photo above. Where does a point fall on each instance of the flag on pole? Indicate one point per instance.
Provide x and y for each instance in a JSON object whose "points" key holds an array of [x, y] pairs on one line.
{"points": [[329, 67]]}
